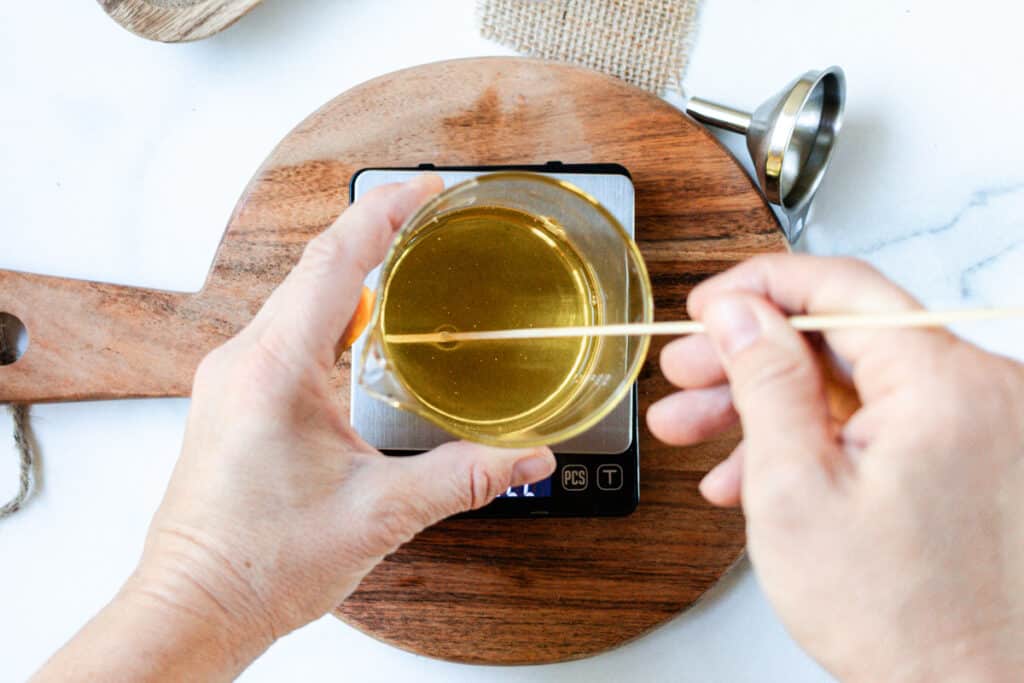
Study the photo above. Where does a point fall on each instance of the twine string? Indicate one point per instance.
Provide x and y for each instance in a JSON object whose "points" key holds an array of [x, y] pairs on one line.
{"points": [[19, 415]]}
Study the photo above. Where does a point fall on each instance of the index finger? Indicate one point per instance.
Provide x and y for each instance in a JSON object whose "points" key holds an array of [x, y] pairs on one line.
{"points": [[307, 314], [799, 283]]}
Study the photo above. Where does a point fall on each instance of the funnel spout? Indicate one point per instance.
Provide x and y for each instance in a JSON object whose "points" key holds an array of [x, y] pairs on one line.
{"points": [[718, 115]]}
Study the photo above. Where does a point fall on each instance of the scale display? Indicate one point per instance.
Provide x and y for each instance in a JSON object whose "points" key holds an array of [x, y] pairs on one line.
{"points": [[541, 489], [598, 471]]}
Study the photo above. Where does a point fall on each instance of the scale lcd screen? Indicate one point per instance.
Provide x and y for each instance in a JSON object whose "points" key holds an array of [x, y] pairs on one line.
{"points": [[541, 489]]}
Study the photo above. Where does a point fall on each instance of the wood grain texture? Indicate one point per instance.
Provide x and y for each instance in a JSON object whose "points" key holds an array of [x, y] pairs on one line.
{"points": [[469, 590], [176, 21]]}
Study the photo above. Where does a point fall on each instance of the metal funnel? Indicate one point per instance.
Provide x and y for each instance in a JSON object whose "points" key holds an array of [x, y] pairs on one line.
{"points": [[790, 138]]}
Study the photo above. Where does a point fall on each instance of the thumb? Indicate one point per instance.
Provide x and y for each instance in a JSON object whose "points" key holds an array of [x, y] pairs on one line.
{"points": [[777, 387], [462, 476]]}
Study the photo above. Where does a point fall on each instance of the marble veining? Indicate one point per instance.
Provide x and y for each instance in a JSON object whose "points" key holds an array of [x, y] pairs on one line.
{"points": [[970, 272], [979, 198]]}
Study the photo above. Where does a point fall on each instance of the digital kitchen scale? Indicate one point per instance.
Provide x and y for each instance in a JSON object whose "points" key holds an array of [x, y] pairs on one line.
{"points": [[598, 471]]}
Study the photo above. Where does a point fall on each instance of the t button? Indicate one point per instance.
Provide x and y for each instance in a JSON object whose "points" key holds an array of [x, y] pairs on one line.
{"points": [[609, 477]]}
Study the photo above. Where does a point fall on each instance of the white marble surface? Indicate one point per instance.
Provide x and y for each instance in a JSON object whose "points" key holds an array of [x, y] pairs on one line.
{"points": [[122, 160]]}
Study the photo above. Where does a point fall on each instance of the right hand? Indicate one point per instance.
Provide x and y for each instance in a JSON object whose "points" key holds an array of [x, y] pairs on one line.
{"points": [[892, 545]]}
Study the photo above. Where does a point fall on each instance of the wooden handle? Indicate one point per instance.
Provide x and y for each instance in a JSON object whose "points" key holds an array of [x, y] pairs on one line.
{"points": [[173, 22], [88, 340]]}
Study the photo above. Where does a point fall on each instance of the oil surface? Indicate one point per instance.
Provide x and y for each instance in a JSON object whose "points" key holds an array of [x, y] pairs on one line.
{"points": [[484, 268]]}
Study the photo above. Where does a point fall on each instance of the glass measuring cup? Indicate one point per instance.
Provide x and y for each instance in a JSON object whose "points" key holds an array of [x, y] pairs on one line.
{"points": [[615, 288]]}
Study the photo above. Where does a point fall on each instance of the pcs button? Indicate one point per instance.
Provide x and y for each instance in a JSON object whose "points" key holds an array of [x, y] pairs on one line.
{"points": [[574, 478]]}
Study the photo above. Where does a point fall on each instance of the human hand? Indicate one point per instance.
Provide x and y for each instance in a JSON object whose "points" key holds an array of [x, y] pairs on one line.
{"points": [[892, 545], [275, 494], [277, 509]]}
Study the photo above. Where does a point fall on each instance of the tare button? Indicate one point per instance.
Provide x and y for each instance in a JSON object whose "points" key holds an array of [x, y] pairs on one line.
{"points": [[575, 478], [609, 477]]}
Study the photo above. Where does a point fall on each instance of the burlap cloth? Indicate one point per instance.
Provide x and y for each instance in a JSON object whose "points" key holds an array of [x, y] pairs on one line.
{"points": [[644, 42]]}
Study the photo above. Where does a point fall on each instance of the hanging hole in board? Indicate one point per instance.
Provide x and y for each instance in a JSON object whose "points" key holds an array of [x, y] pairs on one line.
{"points": [[13, 338]]}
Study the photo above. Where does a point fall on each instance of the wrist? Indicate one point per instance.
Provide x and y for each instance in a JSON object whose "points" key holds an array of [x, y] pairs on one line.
{"points": [[158, 628], [183, 620], [198, 594]]}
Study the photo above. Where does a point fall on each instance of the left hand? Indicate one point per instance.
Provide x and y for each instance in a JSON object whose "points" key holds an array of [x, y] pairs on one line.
{"points": [[277, 509]]}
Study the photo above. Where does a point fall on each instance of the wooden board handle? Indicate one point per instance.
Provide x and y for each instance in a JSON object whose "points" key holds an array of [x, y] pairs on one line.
{"points": [[173, 22], [89, 340]]}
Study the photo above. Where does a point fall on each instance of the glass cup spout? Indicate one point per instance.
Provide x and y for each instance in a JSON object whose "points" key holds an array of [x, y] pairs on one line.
{"points": [[377, 376]]}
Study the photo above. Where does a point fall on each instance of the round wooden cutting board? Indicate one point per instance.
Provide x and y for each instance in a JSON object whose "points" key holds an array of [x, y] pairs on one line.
{"points": [[544, 590], [508, 591]]}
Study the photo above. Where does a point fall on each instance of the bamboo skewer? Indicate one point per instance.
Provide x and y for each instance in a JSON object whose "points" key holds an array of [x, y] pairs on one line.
{"points": [[805, 323]]}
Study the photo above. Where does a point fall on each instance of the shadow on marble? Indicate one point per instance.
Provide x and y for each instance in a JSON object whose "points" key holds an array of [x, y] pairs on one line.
{"points": [[861, 155], [272, 24]]}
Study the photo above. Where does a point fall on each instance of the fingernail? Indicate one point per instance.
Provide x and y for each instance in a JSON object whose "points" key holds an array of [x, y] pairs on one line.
{"points": [[531, 469], [732, 324]]}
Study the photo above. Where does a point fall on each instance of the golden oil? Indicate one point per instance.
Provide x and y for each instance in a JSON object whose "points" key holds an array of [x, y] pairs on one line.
{"points": [[486, 268]]}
